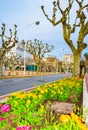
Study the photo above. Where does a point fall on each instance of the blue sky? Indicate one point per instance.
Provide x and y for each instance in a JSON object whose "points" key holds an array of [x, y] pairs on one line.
{"points": [[24, 13]]}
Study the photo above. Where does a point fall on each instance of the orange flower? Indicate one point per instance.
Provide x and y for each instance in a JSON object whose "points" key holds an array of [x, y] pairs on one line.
{"points": [[64, 118], [79, 121]]}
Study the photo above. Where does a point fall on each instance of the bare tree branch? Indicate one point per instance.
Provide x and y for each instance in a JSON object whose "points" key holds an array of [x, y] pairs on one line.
{"points": [[7, 42], [38, 50]]}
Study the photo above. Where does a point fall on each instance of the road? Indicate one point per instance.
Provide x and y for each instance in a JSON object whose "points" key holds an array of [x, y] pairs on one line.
{"points": [[8, 86]]}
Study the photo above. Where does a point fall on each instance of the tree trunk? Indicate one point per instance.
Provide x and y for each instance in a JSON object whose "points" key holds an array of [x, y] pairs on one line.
{"points": [[76, 65], [1, 67], [0, 70], [38, 67]]}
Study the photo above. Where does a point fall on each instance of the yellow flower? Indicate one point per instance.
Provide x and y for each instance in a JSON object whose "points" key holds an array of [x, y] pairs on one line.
{"points": [[34, 96], [79, 121], [39, 88], [39, 96], [19, 96], [42, 110], [8, 98], [64, 118], [46, 90], [41, 91], [29, 95], [59, 91], [28, 102], [23, 96], [53, 92], [74, 116], [42, 106], [15, 93], [83, 126]]}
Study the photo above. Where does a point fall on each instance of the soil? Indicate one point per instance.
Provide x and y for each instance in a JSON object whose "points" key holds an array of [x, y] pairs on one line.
{"points": [[80, 103], [59, 108]]}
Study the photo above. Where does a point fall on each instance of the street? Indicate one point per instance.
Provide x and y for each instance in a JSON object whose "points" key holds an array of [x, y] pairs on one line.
{"points": [[8, 86]]}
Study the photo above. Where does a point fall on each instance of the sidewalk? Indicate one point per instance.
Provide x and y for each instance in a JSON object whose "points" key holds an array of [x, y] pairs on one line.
{"points": [[8, 77], [31, 74], [85, 99]]}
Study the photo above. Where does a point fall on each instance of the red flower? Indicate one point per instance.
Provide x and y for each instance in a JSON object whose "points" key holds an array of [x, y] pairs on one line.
{"points": [[5, 108], [2, 119], [9, 121], [35, 115], [24, 127], [73, 96]]}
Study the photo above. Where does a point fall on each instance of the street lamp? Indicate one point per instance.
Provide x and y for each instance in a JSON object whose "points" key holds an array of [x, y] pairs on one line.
{"points": [[36, 23]]}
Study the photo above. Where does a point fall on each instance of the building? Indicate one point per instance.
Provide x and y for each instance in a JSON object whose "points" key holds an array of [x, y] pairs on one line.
{"points": [[19, 50], [68, 58], [19, 55], [50, 64], [67, 62]]}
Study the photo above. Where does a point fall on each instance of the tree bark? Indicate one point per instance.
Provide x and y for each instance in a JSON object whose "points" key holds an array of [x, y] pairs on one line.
{"points": [[76, 68], [1, 64], [38, 67], [0, 70]]}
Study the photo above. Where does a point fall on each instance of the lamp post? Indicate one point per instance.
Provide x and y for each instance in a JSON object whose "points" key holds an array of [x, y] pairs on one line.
{"points": [[36, 23]]}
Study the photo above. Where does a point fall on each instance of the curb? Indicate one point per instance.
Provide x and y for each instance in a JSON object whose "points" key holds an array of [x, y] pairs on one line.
{"points": [[8, 77], [3, 98]]}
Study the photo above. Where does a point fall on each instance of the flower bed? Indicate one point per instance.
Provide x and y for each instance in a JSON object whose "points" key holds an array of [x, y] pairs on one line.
{"points": [[28, 111]]}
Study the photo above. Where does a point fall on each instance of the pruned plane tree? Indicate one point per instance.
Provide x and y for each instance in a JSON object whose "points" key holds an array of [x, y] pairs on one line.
{"points": [[7, 42], [77, 26]]}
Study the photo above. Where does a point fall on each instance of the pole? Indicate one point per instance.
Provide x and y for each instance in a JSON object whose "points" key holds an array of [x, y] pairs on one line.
{"points": [[36, 23], [25, 59]]}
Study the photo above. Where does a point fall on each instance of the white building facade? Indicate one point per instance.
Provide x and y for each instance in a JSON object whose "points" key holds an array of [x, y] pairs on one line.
{"points": [[67, 62], [19, 52]]}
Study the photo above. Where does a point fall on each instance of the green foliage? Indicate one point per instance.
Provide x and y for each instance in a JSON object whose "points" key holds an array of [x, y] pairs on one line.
{"points": [[30, 107]]}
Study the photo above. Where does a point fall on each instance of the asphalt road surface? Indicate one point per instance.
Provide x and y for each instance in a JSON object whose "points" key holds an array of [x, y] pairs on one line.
{"points": [[8, 86]]}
